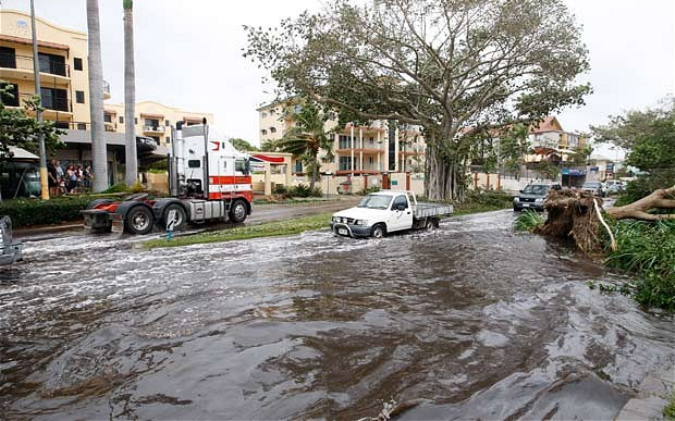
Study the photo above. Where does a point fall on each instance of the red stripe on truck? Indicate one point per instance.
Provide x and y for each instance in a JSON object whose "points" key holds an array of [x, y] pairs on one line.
{"points": [[230, 179]]}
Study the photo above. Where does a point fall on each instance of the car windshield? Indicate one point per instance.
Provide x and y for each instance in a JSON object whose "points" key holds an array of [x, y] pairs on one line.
{"points": [[375, 201], [536, 190]]}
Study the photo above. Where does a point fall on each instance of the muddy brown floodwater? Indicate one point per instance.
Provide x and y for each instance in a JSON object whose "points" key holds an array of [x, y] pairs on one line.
{"points": [[472, 321]]}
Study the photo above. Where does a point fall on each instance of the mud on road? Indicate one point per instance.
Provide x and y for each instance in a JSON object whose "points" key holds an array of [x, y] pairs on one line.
{"points": [[472, 320]]}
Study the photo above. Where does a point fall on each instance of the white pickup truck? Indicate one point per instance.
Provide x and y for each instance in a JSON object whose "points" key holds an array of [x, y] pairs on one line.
{"points": [[388, 211]]}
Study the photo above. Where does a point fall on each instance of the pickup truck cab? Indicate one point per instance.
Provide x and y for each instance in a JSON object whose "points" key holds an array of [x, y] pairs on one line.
{"points": [[388, 211]]}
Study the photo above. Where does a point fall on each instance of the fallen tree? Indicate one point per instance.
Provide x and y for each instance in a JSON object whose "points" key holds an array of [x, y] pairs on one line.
{"points": [[575, 215]]}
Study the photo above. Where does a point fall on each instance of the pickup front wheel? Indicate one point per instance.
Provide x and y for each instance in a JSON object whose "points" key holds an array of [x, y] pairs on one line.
{"points": [[378, 231]]}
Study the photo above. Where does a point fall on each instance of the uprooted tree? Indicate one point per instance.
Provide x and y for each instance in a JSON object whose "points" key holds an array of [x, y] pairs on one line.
{"points": [[444, 65]]}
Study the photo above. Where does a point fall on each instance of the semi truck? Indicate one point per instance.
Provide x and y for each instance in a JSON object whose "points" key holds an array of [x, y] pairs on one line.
{"points": [[209, 180], [387, 211]]}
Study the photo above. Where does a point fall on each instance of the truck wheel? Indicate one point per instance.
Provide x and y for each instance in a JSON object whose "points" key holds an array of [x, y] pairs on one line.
{"points": [[139, 220], [181, 217], [429, 225], [238, 212], [378, 231]]}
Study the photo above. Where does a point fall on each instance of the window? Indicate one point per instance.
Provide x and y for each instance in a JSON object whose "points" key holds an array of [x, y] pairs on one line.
{"points": [[264, 132], [13, 99], [167, 123], [298, 166], [52, 64], [240, 165], [7, 57], [273, 129], [345, 142], [135, 120], [263, 115], [400, 200], [168, 139], [107, 117], [152, 122], [81, 126], [194, 163], [79, 97], [121, 120], [55, 99], [77, 63]]}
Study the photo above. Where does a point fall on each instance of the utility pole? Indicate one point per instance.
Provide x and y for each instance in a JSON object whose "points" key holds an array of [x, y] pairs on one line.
{"points": [[44, 183]]}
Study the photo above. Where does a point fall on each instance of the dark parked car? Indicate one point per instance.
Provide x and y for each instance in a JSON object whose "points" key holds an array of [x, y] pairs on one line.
{"points": [[594, 187], [533, 197]]}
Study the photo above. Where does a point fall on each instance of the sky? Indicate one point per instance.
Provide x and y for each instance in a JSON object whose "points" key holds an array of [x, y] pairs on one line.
{"points": [[188, 54]]}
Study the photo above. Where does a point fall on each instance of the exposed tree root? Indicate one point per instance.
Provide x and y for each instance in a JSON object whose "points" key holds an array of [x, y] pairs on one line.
{"points": [[660, 199]]}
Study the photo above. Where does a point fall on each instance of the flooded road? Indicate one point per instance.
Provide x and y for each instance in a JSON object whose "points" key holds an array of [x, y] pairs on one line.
{"points": [[469, 321]]}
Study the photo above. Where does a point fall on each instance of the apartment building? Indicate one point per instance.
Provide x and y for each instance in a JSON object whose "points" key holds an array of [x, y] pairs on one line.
{"points": [[379, 147], [64, 89], [152, 119], [549, 140]]}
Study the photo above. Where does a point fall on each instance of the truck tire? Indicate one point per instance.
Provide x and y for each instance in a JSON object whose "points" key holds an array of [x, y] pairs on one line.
{"points": [[238, 211], [429, 225], [181, 216], [378, 231], [139, 220]]}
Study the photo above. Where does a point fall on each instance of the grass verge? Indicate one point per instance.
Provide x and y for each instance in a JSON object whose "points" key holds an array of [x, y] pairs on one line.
{"points": [[669, 410], [268, 229]]}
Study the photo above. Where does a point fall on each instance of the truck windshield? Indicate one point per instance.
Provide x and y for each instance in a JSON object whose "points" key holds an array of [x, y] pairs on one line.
{"points": [[375, 201]]}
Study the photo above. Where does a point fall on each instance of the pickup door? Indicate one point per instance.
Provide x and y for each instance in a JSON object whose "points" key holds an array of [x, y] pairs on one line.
{"points": [[400, 217]]}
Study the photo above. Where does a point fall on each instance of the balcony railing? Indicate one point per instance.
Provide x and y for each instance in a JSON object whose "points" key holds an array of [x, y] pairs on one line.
{"points": [[153, 129], [49, 103], [53, 67]]}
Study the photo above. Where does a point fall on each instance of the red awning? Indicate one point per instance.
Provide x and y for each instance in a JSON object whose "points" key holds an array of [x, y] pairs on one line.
{"points": [[270, 159]]}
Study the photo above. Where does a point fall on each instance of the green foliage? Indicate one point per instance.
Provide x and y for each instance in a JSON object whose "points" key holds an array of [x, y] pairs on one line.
{"points": [[117, 188], [243, 145], [655, 150], [669, 410], [581, 156], [513, 145], [648, 250], [529, 221], [269, 229], [547, 169], [624, 130], [496, 198], [29, 212], [303, 190], [367, 191], [18, 128], [646, 184]]}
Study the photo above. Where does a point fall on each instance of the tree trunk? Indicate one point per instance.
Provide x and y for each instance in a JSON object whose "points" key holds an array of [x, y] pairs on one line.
{"points": [[99, 156], [660, 199], [131, 161], [315, 171]]}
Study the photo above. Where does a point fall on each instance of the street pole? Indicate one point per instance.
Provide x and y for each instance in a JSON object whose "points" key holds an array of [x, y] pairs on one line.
{"points": [[44, 184]]}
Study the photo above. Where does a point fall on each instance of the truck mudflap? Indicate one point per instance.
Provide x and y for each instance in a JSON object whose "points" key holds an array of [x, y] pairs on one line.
{"points": [[97, 220]]}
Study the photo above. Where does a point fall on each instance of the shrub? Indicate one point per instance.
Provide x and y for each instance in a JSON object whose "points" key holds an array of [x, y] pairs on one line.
{"points": [[367, 191], [27, 212], [529, 221], [280, 189], [117, 188], [648, 250], [496, 198], [303, 190]]}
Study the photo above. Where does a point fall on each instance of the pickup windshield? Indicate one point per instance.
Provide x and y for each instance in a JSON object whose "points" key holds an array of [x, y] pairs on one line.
{"points": [[375, 201]]}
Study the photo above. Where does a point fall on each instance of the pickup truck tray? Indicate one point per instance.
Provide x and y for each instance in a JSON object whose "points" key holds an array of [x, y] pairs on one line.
{"points": [[428, 210]]}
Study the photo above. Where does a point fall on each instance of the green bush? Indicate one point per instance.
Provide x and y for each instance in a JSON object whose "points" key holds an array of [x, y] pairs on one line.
{"points": [[280, 189], [303, 190], [648, 250], [529, 221], [372, 189], [496, 198], [118, 188], [27, 212]]}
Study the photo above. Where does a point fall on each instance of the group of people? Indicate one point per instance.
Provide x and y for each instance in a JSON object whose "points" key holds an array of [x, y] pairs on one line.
{"points": [[68, 181]]}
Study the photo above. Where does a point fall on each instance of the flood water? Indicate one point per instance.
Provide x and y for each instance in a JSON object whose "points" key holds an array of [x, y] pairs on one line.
{"points": [[469, 321]]}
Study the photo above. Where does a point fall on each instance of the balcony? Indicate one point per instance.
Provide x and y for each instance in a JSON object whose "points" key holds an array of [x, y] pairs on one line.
{"points": [[106, 90], [21, 67], [51, 104], [153, 129]]}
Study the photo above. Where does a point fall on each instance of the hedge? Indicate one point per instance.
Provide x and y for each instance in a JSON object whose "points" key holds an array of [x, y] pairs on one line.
{"points": [[28, 212]]}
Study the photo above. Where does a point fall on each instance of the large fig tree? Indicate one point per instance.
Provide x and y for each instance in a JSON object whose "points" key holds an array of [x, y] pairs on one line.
{"points": [[441, 64]]}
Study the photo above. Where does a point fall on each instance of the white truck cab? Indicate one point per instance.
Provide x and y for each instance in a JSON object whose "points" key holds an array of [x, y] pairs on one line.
{"points": [[387, 211]]}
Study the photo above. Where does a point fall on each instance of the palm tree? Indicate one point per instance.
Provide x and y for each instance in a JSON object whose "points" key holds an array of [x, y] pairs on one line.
{"points": [[99, 156], [131, 161], [308, 137]]}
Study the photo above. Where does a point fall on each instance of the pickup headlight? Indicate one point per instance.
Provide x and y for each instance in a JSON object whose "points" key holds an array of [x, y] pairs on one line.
{"points": [[516, 200], [361, 222], [335, 219], [539, 201]]}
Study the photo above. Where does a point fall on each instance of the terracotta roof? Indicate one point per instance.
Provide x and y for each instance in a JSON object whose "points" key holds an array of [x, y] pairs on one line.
{"points": [[550, 124], [26, 41]]}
